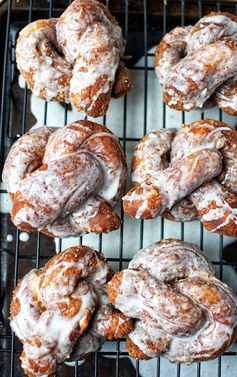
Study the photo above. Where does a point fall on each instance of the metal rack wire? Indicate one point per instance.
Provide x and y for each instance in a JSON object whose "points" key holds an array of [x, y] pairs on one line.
{"points": [[10, 348]]}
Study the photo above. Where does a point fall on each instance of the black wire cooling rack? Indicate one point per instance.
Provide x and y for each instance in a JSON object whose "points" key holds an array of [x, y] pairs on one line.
{"points": [[144, 23]]}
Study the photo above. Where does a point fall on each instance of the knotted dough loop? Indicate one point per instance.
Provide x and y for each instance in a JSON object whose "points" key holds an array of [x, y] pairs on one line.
{"points": [[66, 181], [75, 57], [51, 309], [174, 171], [193, 63], [182, 311]]}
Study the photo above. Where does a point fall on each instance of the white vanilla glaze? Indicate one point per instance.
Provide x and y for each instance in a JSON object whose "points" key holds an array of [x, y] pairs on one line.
{"points": [[194, 92], [177, 181], [226, 95], [71, 191], [75, 20], [173, 259], [223, 211], [151, 154], [221, 320], [78, 222], [164, 186], [45, 330], [74, 57], [26, 320], [88, 343], [185, 270], [183, 210], [198, 135], [203, 134], [25, 157], [83, 167], [111, 160], [210, 29], [112, 164], [175, 48], [50, 73], [24, 237], [193, 62], [149, 338], [224, 138], [98, 58], [95, 335], [142, 297]]}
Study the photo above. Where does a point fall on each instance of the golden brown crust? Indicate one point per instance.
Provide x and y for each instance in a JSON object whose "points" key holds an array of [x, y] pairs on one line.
{"points": [[229, 110], [112, 288], [184, 210], [154, 201], [105, 221], [159, 52], [123, 82], [15, 305], [223, 203], [99, 107], [119, 326], [178, 105], [134, 350]]}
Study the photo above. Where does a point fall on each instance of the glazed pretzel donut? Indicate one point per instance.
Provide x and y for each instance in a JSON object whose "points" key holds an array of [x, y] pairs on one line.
{"points": [[182, 311], [75, 57], [66, 181], [183, 189], [51, 309], [192, 63]]}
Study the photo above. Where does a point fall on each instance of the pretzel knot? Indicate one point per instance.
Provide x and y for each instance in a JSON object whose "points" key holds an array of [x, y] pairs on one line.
{"points": [[51, 310], [183, 312], [194, 63], [65, 181], [75, 57], [187, 174]]}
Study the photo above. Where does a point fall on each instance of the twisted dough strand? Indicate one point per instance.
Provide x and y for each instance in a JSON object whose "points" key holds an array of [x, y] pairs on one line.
{"points": [[150, 156], [47, 74], [183, 270], [150, 198]]}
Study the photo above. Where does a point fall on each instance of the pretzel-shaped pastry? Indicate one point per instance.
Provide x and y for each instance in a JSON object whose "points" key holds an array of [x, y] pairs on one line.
{"points": [[75, 57], [182, 311], [65, 181], [184, 189], [192, 63], [51, 309]]}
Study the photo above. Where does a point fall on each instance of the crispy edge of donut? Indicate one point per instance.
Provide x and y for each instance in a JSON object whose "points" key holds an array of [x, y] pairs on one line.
{"points": [[154, 201], [122, 83], [134, 350], [115, 330], [97, 108], [113, 286]]}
